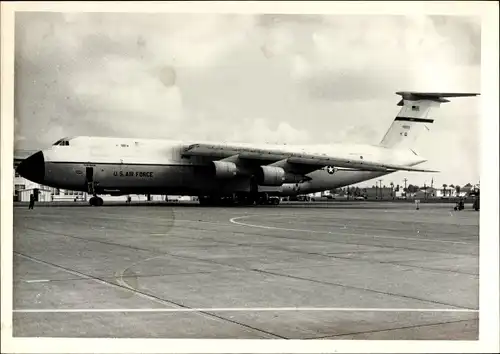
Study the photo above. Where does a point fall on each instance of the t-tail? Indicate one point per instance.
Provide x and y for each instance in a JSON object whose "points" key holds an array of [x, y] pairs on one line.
{"points": [[414, 117]]}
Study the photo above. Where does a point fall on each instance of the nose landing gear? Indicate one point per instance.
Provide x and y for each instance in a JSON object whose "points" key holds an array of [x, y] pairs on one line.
{"points": [[95, 200]]}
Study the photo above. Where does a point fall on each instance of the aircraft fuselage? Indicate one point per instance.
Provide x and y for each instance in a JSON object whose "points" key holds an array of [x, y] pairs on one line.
{"points": [[134, 166]]}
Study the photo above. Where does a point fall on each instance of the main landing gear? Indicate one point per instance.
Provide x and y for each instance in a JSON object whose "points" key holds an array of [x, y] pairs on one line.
{"points": [[239, 199], [96, 201]]}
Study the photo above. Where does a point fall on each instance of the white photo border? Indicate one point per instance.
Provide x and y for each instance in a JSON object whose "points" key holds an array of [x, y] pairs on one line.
{"points": [[489, 245]]}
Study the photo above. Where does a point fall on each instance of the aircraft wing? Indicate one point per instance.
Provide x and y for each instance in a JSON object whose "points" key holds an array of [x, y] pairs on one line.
{"points": [[303, 162]]}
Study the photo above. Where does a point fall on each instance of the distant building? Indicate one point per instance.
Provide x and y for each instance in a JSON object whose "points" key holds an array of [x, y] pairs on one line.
{"points": [[426, 193], [41, 194], [376, 192], [448, 192], [23, 188], [451, 192]]}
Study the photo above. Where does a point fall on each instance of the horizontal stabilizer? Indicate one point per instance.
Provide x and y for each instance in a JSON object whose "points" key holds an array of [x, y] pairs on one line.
{"points": [[432, 96]]}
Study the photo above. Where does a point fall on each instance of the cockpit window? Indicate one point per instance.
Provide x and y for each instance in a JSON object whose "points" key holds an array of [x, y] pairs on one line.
{"points": [[61, 142]]}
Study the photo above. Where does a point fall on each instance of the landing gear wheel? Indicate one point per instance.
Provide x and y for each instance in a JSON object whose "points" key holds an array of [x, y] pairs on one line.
{"points": [[96, 201], [208, 201]]}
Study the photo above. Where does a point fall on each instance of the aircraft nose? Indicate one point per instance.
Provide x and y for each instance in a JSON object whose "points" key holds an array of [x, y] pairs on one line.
{"points": [[33, 168]]}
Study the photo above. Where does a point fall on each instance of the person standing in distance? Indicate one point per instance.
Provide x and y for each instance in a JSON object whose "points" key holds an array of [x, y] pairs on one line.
{"points": [[32, 201]]}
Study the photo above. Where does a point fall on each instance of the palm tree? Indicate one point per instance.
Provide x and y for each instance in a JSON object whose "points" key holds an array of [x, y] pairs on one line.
{"points": [[451, 188], [457, 188], [444, 189], [392, 190]]}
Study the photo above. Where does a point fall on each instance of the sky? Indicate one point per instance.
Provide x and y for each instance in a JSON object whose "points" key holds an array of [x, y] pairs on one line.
{"points": [[304, 79]]}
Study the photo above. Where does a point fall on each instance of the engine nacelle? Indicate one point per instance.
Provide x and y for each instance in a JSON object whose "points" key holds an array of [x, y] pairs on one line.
{"points": [[225, 169], [270, 176]]}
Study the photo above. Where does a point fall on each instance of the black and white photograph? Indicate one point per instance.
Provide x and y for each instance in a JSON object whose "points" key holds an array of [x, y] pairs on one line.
{"points": [[239, 172]]}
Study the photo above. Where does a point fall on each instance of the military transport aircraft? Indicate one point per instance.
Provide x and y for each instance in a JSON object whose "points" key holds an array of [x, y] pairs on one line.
{"points": [[229, 173]]}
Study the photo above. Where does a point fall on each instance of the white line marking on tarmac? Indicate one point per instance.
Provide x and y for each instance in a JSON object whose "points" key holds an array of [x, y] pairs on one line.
{"points": [[86, 277], [250, 309], [125, 286], [37, 281], [233, 220]]}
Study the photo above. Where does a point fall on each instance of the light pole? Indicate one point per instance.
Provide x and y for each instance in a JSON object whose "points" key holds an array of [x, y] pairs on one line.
{"points": [[380, 189], [406, 192]]}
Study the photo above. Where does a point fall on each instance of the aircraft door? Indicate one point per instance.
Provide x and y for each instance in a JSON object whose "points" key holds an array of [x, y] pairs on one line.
{"points": [[89, 175]]}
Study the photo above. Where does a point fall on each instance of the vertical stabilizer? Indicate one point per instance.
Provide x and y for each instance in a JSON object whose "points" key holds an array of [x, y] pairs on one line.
{"points": [[414, 117]]}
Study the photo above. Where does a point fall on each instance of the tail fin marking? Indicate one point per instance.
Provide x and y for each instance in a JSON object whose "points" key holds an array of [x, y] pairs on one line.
{"points": [[414, 116]]}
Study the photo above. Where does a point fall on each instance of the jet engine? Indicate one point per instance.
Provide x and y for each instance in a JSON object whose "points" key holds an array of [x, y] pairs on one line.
{"points": [[225, 169], [270, 176]]}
